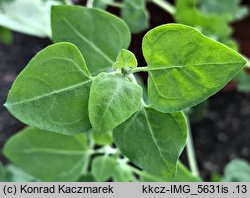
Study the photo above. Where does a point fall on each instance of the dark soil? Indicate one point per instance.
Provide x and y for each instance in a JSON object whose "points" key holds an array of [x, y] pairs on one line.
{"points": [[221, 135]]}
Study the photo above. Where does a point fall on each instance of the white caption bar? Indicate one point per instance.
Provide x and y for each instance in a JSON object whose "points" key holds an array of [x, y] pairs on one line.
{"points": [[125, 190]]}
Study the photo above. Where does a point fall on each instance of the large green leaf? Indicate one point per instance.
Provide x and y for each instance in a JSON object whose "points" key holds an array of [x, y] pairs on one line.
{"points": [[135, 14], [186, 67], [182, 175], [52, 92], [113, 99], [26, 16], [153, 140], [99, 35], [48, 156]]}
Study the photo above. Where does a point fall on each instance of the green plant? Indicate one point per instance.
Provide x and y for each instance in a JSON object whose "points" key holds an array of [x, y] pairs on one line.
{"points": [[69, 88]]}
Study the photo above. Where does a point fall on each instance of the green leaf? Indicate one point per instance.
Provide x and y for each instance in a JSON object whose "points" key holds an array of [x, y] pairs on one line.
{"points": [[103, 167], [112, 100], [212, 24], [153, 140], [182, 175], [103, 138], [87, 178], [52, 92], [123, 173], [238, 170], [99, 35], [14, 174], [5, 36], [135, 14], [186, 67], [48, 156], [243, 79], [28, 17], [125, 59], [102, 4], [2, 172], [230, 7]]}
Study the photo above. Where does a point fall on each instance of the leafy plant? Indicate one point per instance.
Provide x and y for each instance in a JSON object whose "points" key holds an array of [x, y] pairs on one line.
{"points": [[28, 17], [69, 88]]}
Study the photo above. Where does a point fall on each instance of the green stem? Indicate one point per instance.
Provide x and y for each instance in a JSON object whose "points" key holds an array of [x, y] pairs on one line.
{"points": [[139, 69], [248, 61], [165, 6], [132, 78], [190, 152], [89, 3], [68, 2], [116, 5]]}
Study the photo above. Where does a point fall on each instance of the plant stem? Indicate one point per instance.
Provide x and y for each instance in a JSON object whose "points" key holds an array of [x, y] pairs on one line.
{"points": [[165, 5], [139, 69], [116, 5], [190, 151], [132, 78], [68, 2], [248, 61], [89, 3]]}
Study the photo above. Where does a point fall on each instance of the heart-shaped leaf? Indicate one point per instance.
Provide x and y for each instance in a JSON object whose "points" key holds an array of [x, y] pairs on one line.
{"points": [[153, 140], [52, 92], [186, 67], [48, 156], [100, 36], [113, 99]]}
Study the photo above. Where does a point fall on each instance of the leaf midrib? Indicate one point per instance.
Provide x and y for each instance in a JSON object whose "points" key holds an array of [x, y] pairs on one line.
{"points": [[163, 67], [115, 92], [50, 151], [92, 44], [72, 87], [154, 139]]}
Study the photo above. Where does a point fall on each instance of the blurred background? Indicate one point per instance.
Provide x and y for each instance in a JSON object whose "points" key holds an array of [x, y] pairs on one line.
{"points": [[220, 125]]}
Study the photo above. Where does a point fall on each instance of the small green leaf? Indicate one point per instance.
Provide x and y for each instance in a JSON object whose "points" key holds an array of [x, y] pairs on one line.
{"points": [[153, 140], [5, 36], [87, 178], [28, 17], [125, 59], [230, 7], [103, 138], [2, 172], [112, 100], [103, 167], [237, 170], [186, 67], [123, 173], [14, 174], [135, 14], [52, 92], [182, 175], [102, 4], [100, 36], [48, 156], [212, 24], [243, 79]]}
